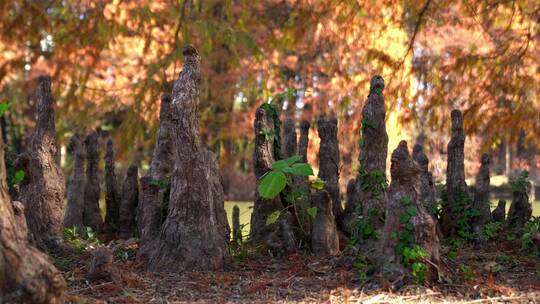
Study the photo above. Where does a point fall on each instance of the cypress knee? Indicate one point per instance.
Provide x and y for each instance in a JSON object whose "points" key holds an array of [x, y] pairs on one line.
{"points": [[195, 234], [520, 211], [324, 235], [44, 190], [329, 161], [458, 198], [289, 146], [129, 203], [427, 186], [26, 274], [237, 230], [76, 183], [498, 215], [370, 197], [407, 224], [112, 195], [481, 195], [92, 213]]}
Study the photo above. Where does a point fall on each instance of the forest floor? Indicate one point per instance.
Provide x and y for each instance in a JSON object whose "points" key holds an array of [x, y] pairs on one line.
{"points": [[498, 272]]}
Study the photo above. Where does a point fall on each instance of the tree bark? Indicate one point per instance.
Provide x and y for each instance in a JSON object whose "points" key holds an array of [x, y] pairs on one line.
{"points": [[520, 211], [154, 184], [43, 191], [370, 195], [112, 196], [26, 274], [101, 267], [324, 235], [455, 176], [426, 186], [76, 184], [329, 161], [499, 214], [402, 198], [195, 234], [237, 230], [128, 203], [92, 213]]}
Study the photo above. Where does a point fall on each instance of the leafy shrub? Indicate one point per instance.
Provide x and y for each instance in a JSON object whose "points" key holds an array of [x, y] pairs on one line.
{"points": [[531, 228], [75, 239]]}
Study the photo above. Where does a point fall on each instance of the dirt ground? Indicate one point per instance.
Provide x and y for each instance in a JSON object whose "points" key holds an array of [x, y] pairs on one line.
{"points": [[496, 273]]}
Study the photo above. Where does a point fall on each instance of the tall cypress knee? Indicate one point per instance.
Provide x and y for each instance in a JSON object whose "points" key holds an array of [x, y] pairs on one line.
{"points": [[195, 234], [92, 214], [481, 195], [112, 195], [427, 186], [289, 146], [129, 203], [329, 161], [43, 191], [76, 184]]}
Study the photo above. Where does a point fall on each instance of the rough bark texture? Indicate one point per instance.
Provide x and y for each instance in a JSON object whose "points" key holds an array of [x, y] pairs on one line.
{"points": [[237, 230], [263, 158], [76, 184], [43, 191], [481, 195], [302, 182], [92, 214], [324, 235], [112, 195], [289, 146], [370, 198], [455, 174], [427, 186], [402, 195], [101, 266], [499, 214], [195, 234], [303, 141], [154, 183], [520, 211], [329, 160], [129, 203], [26, 274]]}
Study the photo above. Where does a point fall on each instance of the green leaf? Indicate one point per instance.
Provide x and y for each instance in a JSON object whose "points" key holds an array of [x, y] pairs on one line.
{"points": [[301, 169], [272, 184], [312, 212], [273, 217], [412, 211], [318, 184], [284, 163], [4, 106], [404, 218]]}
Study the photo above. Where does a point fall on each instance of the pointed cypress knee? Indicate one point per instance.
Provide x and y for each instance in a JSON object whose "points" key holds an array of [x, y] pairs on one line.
{"points": [[92, 212], [499, 213], [112, 194], [329, 161], [195, 234], [75, 190], [237, 230], [42, 192], [129, 203], [481, 196], [289, 146]]}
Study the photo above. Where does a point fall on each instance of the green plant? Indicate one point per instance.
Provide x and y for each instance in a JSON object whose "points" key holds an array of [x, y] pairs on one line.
{"points": [[363, 266], [520, 183], [452, 254], [503, 259], [4, 106], [490, 230], [362, 227], [272, 113], [468, 272], [15, 178], [462, 211], [75, 239], [373, 181], [531, 228], [412, 254]]}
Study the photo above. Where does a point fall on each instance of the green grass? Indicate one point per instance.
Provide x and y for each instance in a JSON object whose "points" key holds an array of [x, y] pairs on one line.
{"points": [[245, 215]]}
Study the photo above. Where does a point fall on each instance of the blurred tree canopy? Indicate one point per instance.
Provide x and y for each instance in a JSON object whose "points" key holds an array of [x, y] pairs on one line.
{"points": [[111, 60]]}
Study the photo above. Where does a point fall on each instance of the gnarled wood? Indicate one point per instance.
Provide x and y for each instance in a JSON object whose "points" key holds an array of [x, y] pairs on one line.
{"points": [[499, 214], [481, 195], [324, 235], [128, 203], [427, 186], [112, 194], [289, 146]]}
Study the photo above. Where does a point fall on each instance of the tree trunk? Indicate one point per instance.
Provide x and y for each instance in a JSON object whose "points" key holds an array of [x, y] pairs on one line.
{"points": [[370, 195], [302, 182], [154, 183], [481, 195], [457, 192], [128, 203], [76, 184], [407, 224], [195, 234], [43, 191], [26, 274], [92, 213], [112, 196], [324, 235], [237, 230], [329, 161]]}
